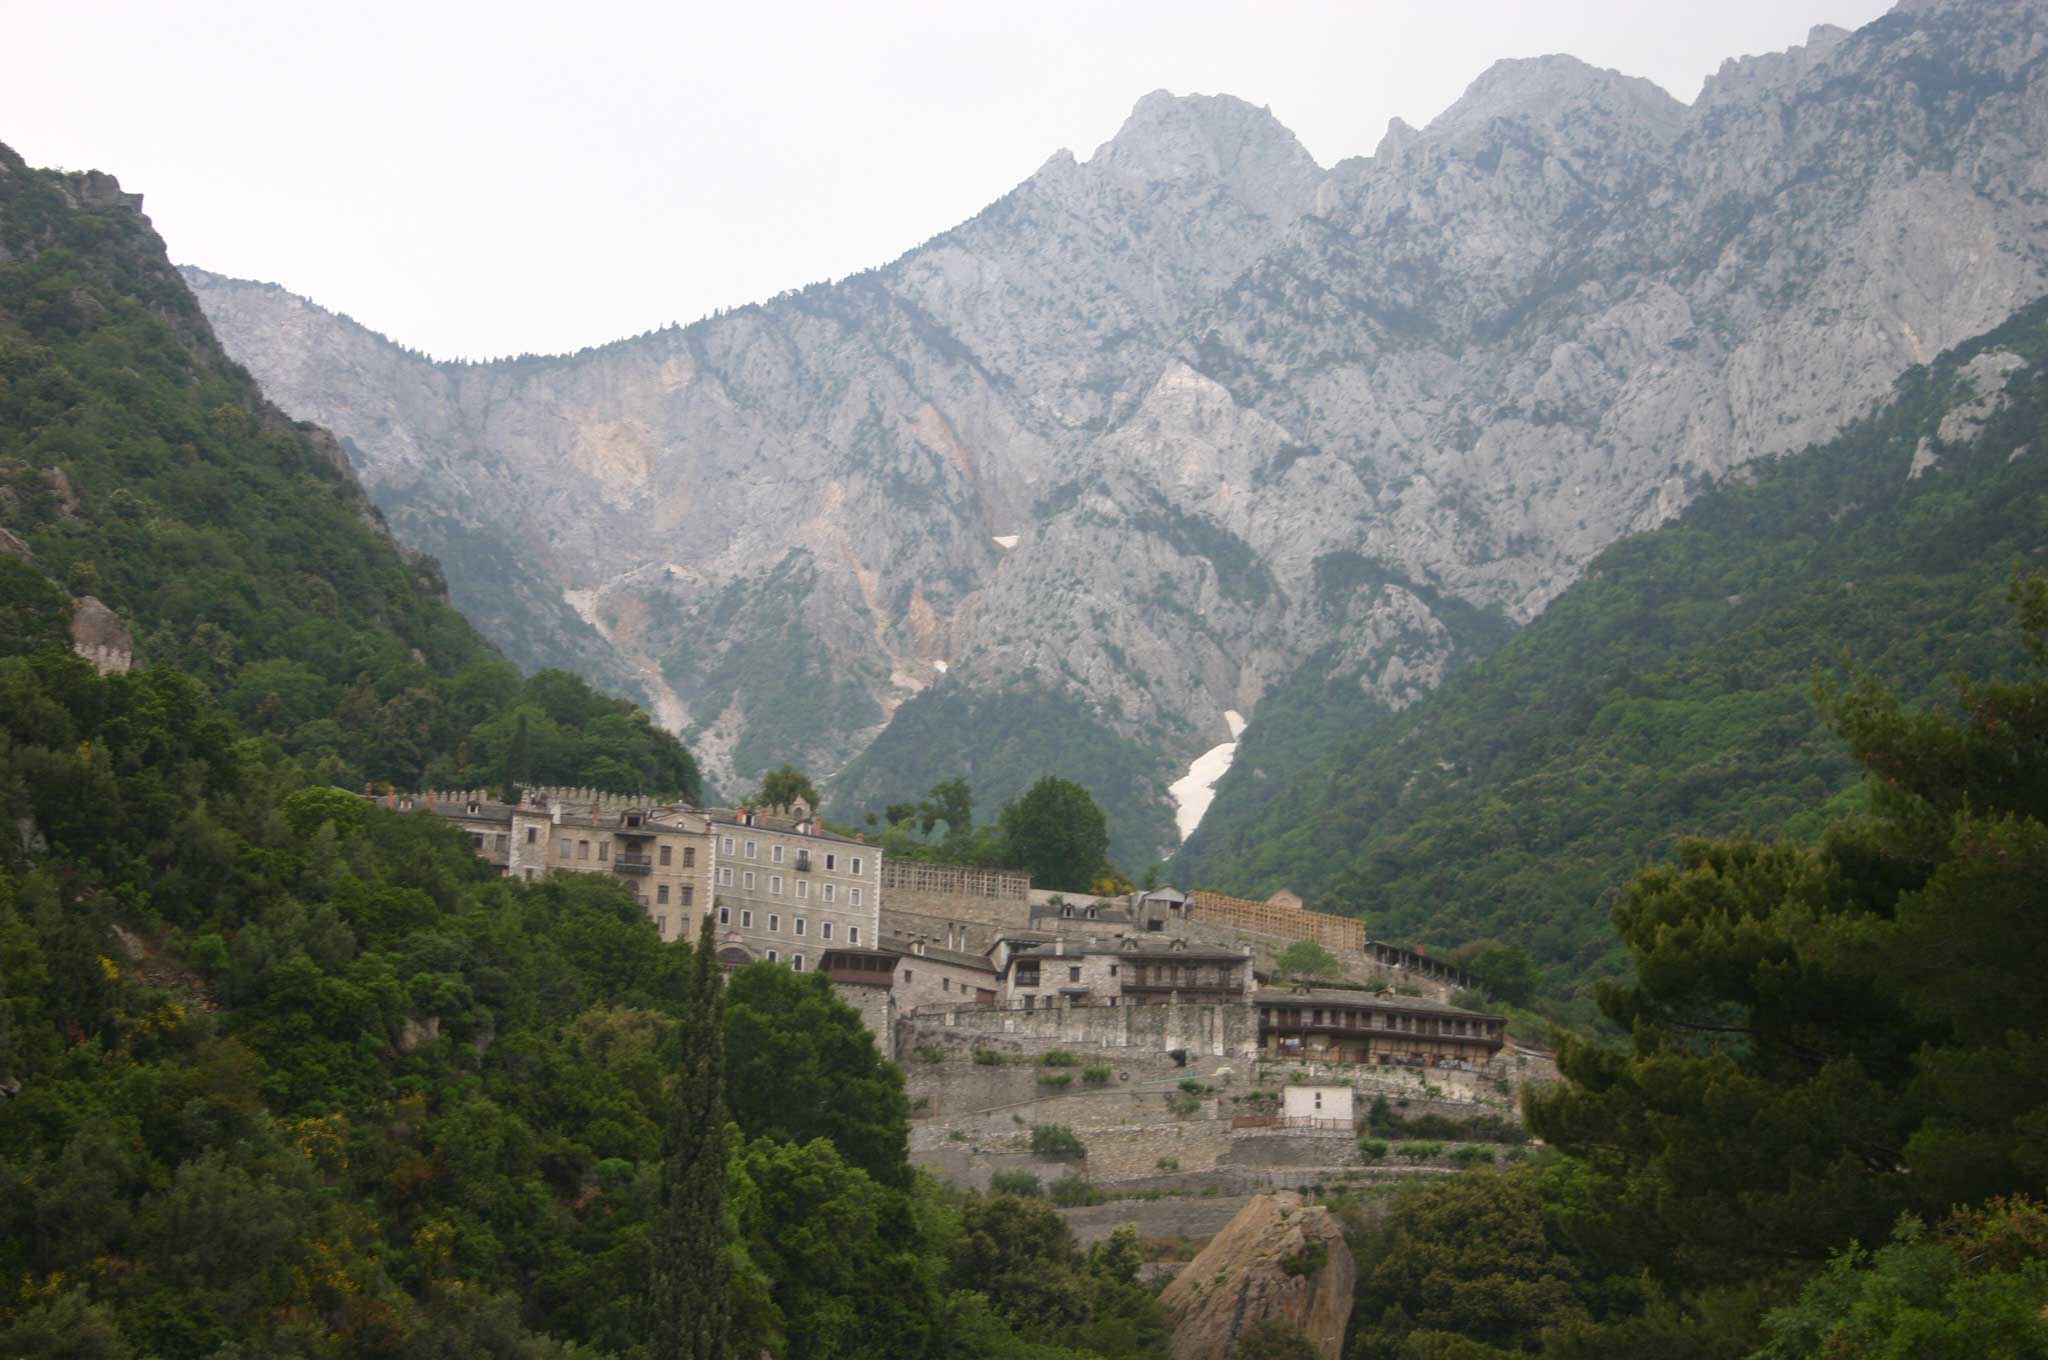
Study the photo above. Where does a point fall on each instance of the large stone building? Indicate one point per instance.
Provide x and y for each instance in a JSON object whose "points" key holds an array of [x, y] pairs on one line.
{"points": [[784, 889], [1124, 972], [1342, 1026]]}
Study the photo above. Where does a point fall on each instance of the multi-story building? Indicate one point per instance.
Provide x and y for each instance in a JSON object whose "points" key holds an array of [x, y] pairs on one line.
{"points": [[793, 889], [928, 973], [1336, 1025], [784, 889], [1130, 971]]}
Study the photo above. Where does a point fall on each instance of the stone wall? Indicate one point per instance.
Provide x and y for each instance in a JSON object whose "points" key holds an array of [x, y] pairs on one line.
{"points": [[877, 1007], [938, 893], [1213, 1029]]}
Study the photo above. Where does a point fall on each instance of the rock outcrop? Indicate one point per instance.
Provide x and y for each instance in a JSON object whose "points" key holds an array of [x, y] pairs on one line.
{"points": [[1161, 426], [1279, 1258]]}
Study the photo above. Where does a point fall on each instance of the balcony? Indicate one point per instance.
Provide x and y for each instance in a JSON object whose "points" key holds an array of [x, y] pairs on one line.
{"points": [[803, 861], [633, 864], [1155, 987]]}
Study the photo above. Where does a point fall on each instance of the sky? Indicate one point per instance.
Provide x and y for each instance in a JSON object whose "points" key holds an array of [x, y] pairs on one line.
{"points": [[477, 180]]}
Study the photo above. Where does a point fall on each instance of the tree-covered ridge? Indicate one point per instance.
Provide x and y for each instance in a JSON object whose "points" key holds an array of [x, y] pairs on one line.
{"points": [[1668, 692], [138, 465]]}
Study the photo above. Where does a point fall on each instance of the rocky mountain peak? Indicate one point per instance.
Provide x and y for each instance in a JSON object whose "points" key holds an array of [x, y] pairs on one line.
{"points": [[1560, 96], [1743, 79], [1173, 138]]}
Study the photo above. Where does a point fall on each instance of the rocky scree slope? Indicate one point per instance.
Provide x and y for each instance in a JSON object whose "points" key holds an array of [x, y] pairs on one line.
{"points": [[1158, 429]]}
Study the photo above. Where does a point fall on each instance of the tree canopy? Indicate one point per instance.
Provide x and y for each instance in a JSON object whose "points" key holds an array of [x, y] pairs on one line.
{"points": [[1056, 832]]}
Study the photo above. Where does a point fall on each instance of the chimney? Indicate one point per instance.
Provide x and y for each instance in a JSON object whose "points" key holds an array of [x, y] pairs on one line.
{"points": [[860, 838]]}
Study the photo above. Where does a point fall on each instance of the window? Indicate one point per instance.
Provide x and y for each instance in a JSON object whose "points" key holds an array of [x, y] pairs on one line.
{"points": [[476, 840], [1112, 970], [853, 934], [562, 850], [1074, 973], [529, 875], [1027, 974], [661, 894], [826, 892], [664, 856], [774, 922], [661, 926], [530, 831], [728, 845], [747, 880], [825, 929], [725, 916], [853, 896], [829, 858], [689, 857], [799, 925], [746, 920], [775, 884], [751, 847], [908, 975], [945, 984], [1319, 1100], [725, 875], [803, 887], [777, 852], [604, 851], [796, 961], [771, 956], [856, 866], [689, 894], [583, 849]]}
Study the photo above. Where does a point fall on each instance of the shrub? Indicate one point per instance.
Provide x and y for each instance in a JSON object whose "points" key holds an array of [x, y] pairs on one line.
{"points": [[1179, 1056], [1095, 1076], [1059, 1057], [1167, 1164], [1380, 1118], [1057, 1143], [930, 1053], [1472, 1155], [1419, 1153], [987, 1057], [1015, 1183], [1312, 1257], [1072, 1191], [1372, 1149], [1056, 1080], [1183, 1104], [1195, 1088], [920, 1105]]}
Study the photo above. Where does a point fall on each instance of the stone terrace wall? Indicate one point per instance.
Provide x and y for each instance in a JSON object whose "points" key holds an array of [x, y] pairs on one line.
{"points": [[1331, 932], [1226, 1029]]}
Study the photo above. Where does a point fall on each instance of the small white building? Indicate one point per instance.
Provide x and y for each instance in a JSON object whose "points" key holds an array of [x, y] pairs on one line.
{"points": [[1320, 1105]]}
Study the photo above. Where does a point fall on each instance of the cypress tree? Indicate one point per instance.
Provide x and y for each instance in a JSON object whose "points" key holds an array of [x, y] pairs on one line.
{"points": [[691, 1313]]}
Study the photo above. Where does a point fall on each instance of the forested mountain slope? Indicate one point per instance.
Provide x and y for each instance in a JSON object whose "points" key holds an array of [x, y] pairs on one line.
{"points": [[141, 467], [1236, 411], [1668, 693]]}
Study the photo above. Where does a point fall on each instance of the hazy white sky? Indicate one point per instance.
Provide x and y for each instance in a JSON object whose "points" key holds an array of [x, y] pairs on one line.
{"points": [[483, 179]]}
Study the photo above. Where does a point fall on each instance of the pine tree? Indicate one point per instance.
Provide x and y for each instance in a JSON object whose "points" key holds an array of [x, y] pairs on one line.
{"points": [[692, 1317]]}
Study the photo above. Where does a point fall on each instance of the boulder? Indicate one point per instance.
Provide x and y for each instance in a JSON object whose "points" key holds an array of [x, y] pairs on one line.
{"points": [[1279, 1258]]}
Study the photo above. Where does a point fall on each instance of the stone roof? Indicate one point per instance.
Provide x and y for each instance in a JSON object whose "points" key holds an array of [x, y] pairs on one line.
{"points": [[1143, 950], [951, 957], [782, 825]]}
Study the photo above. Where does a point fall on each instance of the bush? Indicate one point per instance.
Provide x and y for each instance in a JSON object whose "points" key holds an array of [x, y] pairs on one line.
{"points": [[1057, 1143], [1021, 1183], [1372, 1149], [1273, 1339], [1472, 1155], [1073, 1191], [1167, 1164], [1056, 1080], [1418, 1153], [920, 1105], [1183, 1104], [1179, 1056], [1312, 1257], [1380, 1118], [930, 1053], [1095, 1076], [988, 1057], [1196, 1088], [1059, 1057]]}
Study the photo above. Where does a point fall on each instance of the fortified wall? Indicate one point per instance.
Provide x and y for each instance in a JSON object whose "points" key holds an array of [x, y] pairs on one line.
{"points": [[1222, 1029], [957, 904], [1286, 918]]}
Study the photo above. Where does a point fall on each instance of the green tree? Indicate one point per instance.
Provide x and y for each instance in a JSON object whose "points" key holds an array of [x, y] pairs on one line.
{"points": [[691, 1312], [1273, 1339], [1306, 958], [950, 801], [780, 788], [1055, 832], [802, 1065]]}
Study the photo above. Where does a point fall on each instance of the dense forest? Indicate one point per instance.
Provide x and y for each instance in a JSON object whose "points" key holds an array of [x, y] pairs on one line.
{"points": [[1667, 693], [138, 466]]}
